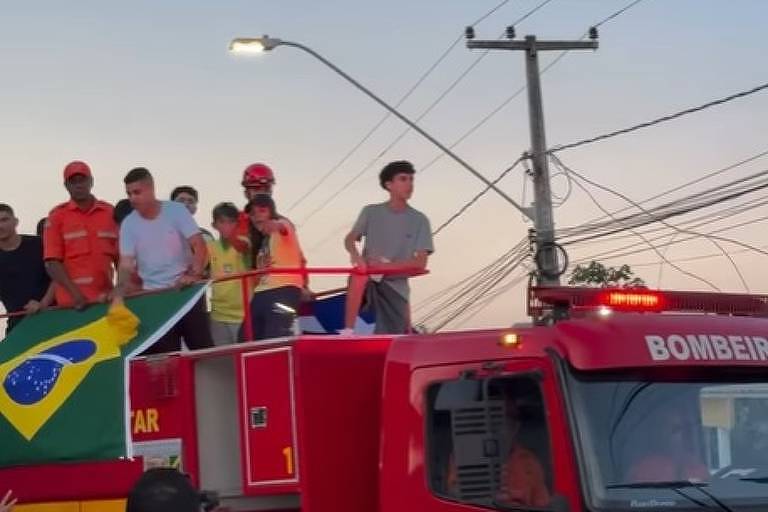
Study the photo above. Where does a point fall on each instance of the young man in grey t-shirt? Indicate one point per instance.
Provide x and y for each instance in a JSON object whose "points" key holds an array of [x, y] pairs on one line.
{"points": [[397, 238]]}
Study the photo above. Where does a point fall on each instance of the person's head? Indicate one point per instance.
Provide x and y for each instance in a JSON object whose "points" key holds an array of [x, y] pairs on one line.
{"points": [[258, 179], [163, 490], [8, 222], [225, 217], [187, 196], [78, 180], [261, 208], [40, 227], [674, 427], [397, 178], [140, 187], [123, 208]]}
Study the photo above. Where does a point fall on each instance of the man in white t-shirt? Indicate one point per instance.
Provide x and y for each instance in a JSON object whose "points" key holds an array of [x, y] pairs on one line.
{"points": [[163, 242]]}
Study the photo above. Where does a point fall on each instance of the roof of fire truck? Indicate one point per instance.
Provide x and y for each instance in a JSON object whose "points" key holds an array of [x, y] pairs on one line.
{"points": [[605, 329]]}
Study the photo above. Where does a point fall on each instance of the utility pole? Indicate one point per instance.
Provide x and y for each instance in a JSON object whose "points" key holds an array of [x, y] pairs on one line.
{"points": [[546, 249]]}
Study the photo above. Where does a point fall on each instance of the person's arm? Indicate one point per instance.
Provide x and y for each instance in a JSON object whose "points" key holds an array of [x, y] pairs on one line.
{"points": [[239, 238], [34, 306], [358, 231], [126, 265], [271, 227], [540, 496], [53, 254], [125, 270], [199, 261], [58, 274]]}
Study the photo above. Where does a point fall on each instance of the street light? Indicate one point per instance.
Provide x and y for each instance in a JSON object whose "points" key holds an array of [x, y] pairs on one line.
{"points": [[253, 45]]}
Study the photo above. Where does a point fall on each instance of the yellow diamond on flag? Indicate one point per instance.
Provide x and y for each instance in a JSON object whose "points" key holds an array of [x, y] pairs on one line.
{"points": [[35, 384]]}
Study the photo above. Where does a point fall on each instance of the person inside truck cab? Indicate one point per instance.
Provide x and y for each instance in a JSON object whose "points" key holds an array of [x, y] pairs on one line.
{"points": [[670, 454], [523, 478]]}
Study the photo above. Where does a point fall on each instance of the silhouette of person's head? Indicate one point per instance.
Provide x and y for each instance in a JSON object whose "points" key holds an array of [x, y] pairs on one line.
{"points": [[163, 490]]}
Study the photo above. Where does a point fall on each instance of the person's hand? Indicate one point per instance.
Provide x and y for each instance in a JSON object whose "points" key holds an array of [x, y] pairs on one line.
{"points": [[511, 497], [79, 302], [32, 307], [359, 263], [7, 503], [186, 279], [307, 295]]}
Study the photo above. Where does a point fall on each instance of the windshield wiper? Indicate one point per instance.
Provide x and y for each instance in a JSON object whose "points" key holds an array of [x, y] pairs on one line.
{"points": [[676, 486], [671, 484], [755, 479]]}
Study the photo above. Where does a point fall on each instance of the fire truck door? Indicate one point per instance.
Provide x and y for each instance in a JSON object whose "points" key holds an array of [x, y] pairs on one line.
{"points": [[268, 419]]}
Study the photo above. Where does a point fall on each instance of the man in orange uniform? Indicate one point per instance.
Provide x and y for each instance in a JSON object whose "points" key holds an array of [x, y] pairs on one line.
{"points": [[80, 242]]}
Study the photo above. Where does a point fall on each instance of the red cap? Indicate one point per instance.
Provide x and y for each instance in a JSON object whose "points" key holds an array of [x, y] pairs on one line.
{"points": [[258, 174], [76, 167]]}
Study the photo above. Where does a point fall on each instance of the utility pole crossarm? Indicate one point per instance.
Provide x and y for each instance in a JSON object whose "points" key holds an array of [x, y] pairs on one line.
{"points": [[500, 44]]}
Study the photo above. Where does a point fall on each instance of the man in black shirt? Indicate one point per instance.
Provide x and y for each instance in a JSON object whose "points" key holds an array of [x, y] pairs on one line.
{"points": [[24, 283]]}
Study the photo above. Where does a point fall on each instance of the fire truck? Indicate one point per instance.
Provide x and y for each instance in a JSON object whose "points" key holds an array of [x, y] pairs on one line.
{"points": [[610, 400]]}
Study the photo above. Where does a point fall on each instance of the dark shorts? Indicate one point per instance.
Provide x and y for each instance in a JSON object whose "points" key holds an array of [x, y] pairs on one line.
{"points": [[390, 309], [193, 328], [270, 320]]}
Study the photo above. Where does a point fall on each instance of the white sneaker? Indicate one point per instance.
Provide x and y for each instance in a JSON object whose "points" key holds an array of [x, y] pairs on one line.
{"points": [[346, 332]]}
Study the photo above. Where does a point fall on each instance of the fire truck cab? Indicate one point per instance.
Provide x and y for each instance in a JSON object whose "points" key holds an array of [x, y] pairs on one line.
{"points": [[612, 400]]}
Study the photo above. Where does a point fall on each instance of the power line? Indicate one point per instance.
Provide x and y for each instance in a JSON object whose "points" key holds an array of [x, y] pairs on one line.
{"points": [[472, 201], [713, 239], [659, 120], [386, 116], [616, 253], [617, 13], [660, 213], [696, 258], [643, 238], [407, 130], [695, 181]]}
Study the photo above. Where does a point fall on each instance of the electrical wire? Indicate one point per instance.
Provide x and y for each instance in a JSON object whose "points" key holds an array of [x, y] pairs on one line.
{"points": [[695, 181], [386, 116], [659, 120], [643, 238], [407, 130], [713, 239], [472, 201]]}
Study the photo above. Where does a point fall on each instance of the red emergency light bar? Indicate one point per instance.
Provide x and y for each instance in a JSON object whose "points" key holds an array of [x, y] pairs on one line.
{"points": [[544, 299], [638, 300]]}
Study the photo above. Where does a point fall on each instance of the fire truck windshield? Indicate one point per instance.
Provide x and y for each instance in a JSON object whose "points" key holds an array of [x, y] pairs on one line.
{"points": [[655, 442]]}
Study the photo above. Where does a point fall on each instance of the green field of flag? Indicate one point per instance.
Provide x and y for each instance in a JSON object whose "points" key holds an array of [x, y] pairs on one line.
{"points": [[63, 378]]}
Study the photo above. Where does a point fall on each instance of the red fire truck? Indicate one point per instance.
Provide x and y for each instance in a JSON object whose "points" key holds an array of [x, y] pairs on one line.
{"points": [[610, 400]]}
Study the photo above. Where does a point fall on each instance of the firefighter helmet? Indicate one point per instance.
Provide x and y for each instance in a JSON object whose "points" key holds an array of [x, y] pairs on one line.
{"points": [[258, 174]]}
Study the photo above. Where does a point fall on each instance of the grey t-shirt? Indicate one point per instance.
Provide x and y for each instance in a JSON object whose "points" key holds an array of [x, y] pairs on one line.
{"points": [[160, 245], [394, 235]]}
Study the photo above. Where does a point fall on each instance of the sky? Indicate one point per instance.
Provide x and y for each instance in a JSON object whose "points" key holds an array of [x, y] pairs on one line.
{"points": [[147, 83]]}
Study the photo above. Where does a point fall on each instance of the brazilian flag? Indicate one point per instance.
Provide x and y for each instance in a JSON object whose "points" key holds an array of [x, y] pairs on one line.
{"points": [[64, 377]]}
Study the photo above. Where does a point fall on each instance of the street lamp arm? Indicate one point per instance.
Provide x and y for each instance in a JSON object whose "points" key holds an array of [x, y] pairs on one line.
{"points": [[407, 121]]}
